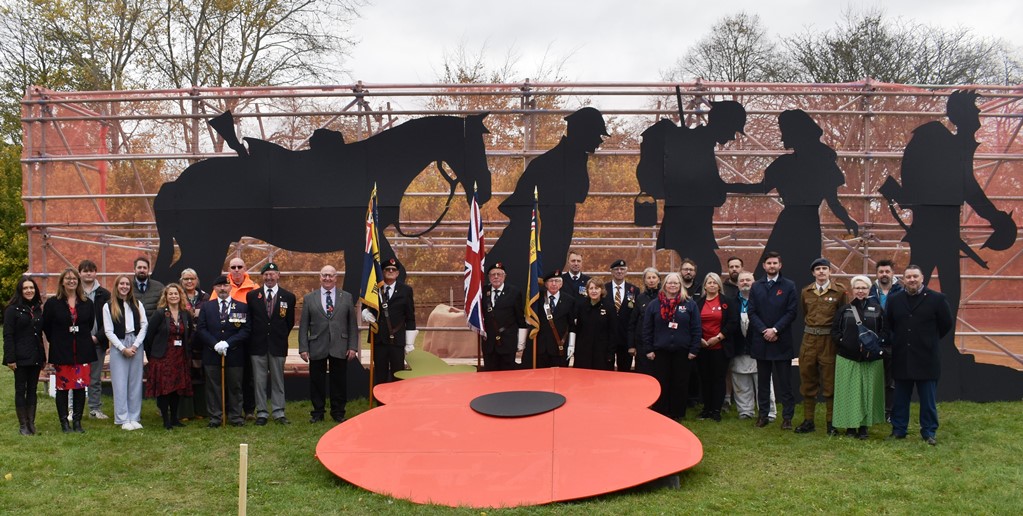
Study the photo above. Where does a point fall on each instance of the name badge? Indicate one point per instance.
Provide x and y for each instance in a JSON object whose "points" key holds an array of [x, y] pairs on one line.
{"points": [[177, 343], [72, 329], [673, 325]]}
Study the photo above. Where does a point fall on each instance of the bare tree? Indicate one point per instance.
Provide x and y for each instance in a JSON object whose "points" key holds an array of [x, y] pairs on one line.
{"points": [[736, 49]]}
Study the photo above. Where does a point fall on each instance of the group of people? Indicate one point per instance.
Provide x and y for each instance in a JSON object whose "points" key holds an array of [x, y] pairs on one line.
{"points": [[232, 345], [736, 337]]}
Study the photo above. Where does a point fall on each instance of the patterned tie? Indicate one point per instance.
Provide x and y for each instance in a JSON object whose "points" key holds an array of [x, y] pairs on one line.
{"points": [[618, 298], [223, 310], [330, 306], [770, 284], [387, 293], [269, 301], [554, 304]]}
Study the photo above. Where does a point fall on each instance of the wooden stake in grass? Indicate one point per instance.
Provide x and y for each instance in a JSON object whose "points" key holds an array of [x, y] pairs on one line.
{"points": [[243, 478]]}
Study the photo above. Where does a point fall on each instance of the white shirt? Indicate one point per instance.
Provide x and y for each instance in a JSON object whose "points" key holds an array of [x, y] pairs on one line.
{"points": [[129, 325]]}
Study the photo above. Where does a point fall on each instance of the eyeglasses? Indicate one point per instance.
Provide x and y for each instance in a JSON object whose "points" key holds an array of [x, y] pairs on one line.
{"points": [[390, 269], [188, 279], [237, 267]]}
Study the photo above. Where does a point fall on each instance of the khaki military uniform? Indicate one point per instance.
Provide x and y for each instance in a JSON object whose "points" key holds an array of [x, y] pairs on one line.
{"points": [[817, 353]]}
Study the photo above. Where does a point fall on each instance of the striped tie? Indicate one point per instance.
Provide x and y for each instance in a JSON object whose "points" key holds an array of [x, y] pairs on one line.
{"points": [[618, 298]]}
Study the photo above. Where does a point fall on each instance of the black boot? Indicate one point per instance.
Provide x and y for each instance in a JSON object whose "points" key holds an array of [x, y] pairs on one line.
{"points": [[22, 421], [77, 406], [161, 403], [173, 404], [62, 411], [30, 418]]}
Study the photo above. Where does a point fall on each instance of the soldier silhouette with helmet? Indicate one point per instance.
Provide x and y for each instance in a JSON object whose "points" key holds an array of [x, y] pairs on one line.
{"points": [[678, 164], [561, 180]]}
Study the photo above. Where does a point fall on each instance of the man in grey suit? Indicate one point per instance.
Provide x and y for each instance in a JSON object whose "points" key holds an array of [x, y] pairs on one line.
{"points": [[328, 336]]}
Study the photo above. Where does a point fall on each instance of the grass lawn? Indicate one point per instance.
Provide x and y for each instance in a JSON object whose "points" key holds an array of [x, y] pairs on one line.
{"points": [[977, 468]]}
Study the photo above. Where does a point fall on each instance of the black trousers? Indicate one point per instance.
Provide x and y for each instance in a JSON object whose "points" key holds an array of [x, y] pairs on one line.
{"points": [[26, 379], [713, 366], [389, 359], [781, 372], [672, 370], [328, 376], [623, 359], [499, 361]]}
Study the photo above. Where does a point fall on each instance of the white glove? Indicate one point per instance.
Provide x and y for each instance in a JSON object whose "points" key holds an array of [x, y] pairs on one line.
{"points": [[571, 345], [410, 340], [523, 335], [368, 316], [221, 347]]}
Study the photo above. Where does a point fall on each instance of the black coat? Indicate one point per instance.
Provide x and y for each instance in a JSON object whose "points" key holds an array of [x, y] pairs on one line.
{"points": [[100, 299], [399, 317], [502, 320], [845, 332], [234, 330], [729, 322], [67, 347], [629, 294], [563, 319], [596, 330], [635, 336], [23, 335], [158, 334], [772, 308], [269, 334], [658, 335], [916, 325]]}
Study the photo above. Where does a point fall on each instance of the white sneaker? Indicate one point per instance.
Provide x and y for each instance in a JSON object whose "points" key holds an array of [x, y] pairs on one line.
{"points": [[128, 426], [138, 426], [96, 414]]}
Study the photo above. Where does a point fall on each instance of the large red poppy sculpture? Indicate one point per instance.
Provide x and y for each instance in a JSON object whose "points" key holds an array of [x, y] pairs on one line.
{"points": [[426, 445]]}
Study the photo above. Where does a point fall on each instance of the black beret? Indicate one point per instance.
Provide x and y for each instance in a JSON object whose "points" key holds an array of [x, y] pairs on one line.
{"points": [[818, 262], [390, 262], [618, 263], [221, 280], [496, 265], [556, 273]]}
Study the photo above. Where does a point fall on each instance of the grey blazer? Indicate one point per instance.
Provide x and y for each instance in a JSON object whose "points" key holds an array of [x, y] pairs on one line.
{"points": [[321, 336]]}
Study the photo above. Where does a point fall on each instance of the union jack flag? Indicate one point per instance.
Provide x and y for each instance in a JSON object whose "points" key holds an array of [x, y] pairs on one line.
{"points": [[475, 256]]}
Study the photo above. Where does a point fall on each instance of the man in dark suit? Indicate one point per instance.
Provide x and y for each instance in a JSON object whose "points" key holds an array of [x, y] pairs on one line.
{"points": [[147, 289], [328, 337], [918, 318], [504, 321], [272, 316], [396, 321], [623, 295], [222, 331], [557, 313], [772, 308], [573, 280]]}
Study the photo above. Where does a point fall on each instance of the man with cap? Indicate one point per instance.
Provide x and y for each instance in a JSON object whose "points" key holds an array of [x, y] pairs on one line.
{"points": [[820, 301], [623, 295], [560, 180], [222, 330], [573, 279], [272, 316], [396, 323], [555, 339], [503, 320], [328, 338]]}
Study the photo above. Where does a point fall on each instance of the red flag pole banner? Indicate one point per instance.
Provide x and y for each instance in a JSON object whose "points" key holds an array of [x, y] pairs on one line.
{"points": [[475, 258], [372, 276], [535, 273]]}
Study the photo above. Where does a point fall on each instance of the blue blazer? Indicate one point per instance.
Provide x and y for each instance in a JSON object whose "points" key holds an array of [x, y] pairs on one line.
{"points": [[234, 330], [772, 308]]}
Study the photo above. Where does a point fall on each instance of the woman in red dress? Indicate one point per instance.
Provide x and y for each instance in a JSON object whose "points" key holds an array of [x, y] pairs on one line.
{"points": [[68, 319], [168, 346]]}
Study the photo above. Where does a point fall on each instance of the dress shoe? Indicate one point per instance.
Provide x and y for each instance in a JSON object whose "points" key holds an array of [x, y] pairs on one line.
{"points": [[715, 416], [805, 427], [832, 431], [762, 422], [260, 421], [237, 423], [316, 419], [850, 432], [213, 424], [338, 419], [786, 424], [283, 420], [931, 441], [862, 434], [894, 435], [249, 416]]}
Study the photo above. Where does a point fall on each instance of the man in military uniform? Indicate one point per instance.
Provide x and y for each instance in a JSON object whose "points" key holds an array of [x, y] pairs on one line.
{"points": [[820, 301], [557, 312], [272, 317], [623, 294], [503, 320], [223, 329], [396, 321], [573, 280]]}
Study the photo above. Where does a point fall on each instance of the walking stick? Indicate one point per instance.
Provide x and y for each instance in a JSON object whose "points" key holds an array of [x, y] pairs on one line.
{"points": [[223, 395]]}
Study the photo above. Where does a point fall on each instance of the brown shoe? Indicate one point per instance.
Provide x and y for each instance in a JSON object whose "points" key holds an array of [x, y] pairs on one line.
{"points": [[762, 422], [786, 424]]}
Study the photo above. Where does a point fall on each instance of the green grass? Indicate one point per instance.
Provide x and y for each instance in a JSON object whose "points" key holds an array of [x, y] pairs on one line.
{"points": [[976, 468]]}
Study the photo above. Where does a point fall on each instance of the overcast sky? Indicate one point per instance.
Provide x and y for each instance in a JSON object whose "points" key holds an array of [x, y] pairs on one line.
{"points": [[404, 41]]}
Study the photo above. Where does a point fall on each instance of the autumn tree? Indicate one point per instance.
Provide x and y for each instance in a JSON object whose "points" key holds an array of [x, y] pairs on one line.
{"points": [[736, 49]]}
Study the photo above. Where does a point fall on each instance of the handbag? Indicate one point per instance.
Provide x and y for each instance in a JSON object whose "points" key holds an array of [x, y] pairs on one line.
{"points": [[870, 343]]}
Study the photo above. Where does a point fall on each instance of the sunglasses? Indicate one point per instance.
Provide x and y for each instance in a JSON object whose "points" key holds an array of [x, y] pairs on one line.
{"points": [[237, 267]]}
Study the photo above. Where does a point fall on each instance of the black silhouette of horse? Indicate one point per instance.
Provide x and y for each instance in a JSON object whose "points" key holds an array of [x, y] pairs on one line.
{"points": [[313, 200]]}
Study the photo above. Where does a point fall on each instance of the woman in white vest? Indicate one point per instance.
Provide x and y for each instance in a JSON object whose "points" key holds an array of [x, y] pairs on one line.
{"points": [[125, 324]]}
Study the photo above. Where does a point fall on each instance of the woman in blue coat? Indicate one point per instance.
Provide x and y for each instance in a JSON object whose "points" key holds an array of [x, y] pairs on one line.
{"points": [[671, 340]]}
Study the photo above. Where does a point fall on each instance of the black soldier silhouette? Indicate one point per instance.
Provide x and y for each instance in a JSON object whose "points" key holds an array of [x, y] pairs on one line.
{"points": [[678, 164], [803, 179], [561, 180], [313, 200]]}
